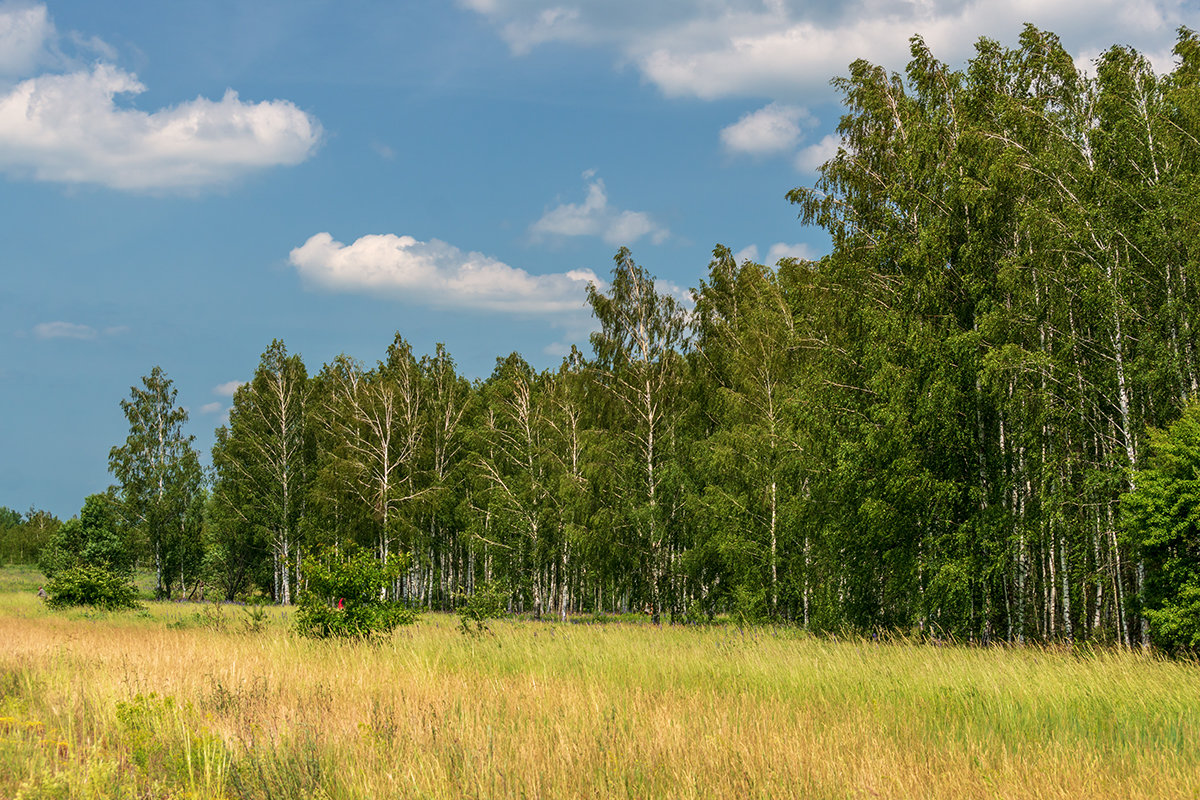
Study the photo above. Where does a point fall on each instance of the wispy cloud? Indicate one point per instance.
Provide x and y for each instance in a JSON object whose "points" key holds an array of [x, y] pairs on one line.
{"points": [[227, 389], [25, 31], [67, 128], [781, 250], [436, 273], [595, 217], [63, 330], [775, 252]]}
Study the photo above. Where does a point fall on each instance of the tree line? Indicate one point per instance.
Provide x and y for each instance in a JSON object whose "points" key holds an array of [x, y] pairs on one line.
{"points": [[930, 428]]}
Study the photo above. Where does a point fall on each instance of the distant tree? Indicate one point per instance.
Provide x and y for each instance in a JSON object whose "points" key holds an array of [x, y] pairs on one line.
{"points": [[88, 562], [161, 484], [93, 538], [22, 537]]}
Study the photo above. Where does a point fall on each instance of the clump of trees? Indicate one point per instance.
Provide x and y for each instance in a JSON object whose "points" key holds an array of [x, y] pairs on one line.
{"points": [[88, 562], [931, 428], [22, 536]]}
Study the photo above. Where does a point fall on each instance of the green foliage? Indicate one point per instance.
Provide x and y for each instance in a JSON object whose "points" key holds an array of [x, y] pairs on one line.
{"points": [[91, 586], [488, 601], [356, 581], [22, 537], [91, 539], [161, 482], [1162, 519], [88, 562]]}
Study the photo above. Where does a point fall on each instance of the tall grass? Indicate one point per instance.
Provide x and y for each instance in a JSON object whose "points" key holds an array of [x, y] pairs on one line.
{"points": [[174, 703]]}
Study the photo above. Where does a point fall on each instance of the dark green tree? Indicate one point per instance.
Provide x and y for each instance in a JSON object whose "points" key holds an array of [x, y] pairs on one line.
{"points": [[1161, 518]]}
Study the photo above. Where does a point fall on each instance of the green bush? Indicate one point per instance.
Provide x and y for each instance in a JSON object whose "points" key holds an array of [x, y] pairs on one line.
{"points": [[90, 586], [344, 597], [488, 601]]}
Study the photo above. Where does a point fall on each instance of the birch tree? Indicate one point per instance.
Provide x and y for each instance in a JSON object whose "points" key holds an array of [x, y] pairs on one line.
{"points": [[160, 480], [263, 463], [639, 362]]}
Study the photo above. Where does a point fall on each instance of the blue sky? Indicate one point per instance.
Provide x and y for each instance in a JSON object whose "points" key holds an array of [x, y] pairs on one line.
{"points": [[180, 183]]}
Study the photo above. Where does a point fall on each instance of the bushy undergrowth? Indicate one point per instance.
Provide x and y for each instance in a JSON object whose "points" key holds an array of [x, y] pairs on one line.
{"points": [[345, 597], [488, 601], [91, 586]]}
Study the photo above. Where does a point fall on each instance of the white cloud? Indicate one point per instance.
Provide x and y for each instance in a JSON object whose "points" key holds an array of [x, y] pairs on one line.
{"points": [[25, 31], [212, 408], [774, 253], [594, 217], [774, 128], [784, 48], [67, 128], [63, 330], [747, 253], [783, 250], [383, 151], [227, 389], [810, 158], [436, 273]]}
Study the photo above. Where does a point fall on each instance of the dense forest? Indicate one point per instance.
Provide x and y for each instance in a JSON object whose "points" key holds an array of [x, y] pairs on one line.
{"points": [[931, 428]]}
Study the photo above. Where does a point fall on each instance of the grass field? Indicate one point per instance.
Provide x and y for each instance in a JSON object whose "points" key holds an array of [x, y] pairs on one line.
{"points": [[187, 701]]}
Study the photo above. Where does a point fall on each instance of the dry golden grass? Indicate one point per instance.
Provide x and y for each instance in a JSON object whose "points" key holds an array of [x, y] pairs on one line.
{"points": [[164, 704]]}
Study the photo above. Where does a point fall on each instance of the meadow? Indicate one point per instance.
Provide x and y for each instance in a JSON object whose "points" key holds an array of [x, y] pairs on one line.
{"points": [[196, 701]]}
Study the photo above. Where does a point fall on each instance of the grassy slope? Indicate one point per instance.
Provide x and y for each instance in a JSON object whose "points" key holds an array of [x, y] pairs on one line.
{"points": [[178, 702]]}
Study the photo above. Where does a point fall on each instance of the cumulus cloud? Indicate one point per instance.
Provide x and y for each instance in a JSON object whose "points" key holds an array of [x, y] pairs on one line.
{"points": [[783, 48], [810, 158], [228, 388], [68, 127], [775, 128], [63, 330], [595, 217], [212, 408], [437, 273]]}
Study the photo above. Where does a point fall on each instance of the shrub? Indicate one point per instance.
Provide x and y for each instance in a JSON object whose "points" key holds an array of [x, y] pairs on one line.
{"points": [[344, 597], [90, 586], [488, 601]]}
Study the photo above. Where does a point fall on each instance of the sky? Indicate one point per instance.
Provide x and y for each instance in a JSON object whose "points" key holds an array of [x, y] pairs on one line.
{"points": [[181, 183]]}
